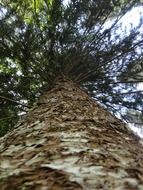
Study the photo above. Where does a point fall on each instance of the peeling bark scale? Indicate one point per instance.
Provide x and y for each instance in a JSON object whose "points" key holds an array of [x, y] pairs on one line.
{"points": [[69, 142]]}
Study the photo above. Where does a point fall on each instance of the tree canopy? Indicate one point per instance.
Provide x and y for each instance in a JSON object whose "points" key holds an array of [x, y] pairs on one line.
{"points": [[42, 39]]}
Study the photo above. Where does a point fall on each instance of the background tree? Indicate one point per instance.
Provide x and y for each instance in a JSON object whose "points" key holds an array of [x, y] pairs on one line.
{"points": [[42, 39]]}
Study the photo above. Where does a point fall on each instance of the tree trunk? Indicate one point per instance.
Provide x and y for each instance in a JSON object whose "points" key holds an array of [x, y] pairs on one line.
{"points": [[69, 142]]}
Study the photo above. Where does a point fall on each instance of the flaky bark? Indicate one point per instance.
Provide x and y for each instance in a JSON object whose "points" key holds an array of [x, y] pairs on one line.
{"points": [[68, 142]]}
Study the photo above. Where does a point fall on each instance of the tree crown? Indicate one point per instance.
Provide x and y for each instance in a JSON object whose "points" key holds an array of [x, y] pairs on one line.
{"points": [[41, 39]]}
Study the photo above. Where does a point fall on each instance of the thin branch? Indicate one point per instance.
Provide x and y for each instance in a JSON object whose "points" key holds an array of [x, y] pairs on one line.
{"points": [[14, 116], [123, 93], [86, 75], [11, 100], [7, 118], [120, 82]]}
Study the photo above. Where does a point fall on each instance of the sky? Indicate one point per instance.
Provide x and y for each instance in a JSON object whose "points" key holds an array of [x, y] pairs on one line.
{"points": [[132, 19]]}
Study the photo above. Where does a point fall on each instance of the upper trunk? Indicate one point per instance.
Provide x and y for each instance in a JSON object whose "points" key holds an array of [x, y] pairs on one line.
{"points": [[67, 141]]}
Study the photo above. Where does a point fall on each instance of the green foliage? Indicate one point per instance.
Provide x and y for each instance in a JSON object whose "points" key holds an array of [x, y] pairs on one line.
{"points": [[41, 39]]}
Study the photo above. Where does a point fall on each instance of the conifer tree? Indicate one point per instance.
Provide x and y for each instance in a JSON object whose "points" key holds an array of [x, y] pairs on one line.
{"points": [[60, 62], [41, 39]]}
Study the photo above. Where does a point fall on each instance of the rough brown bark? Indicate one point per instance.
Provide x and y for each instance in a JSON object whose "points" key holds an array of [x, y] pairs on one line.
{"points": [[69, 142]]}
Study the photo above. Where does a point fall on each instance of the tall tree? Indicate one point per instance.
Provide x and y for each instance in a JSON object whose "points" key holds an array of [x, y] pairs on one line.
{"points": [[41, 39], [67, 141], [51, 52]]}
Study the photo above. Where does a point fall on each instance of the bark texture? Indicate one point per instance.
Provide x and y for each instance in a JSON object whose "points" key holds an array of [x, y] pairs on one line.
{"points": [[69, 142]]}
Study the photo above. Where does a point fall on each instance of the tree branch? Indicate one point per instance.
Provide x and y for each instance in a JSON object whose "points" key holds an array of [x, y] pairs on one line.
{"points": [[11, 100]]}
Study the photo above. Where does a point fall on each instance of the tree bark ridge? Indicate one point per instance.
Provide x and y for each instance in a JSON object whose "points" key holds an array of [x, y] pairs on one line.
{"points": [[69, 142]]}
